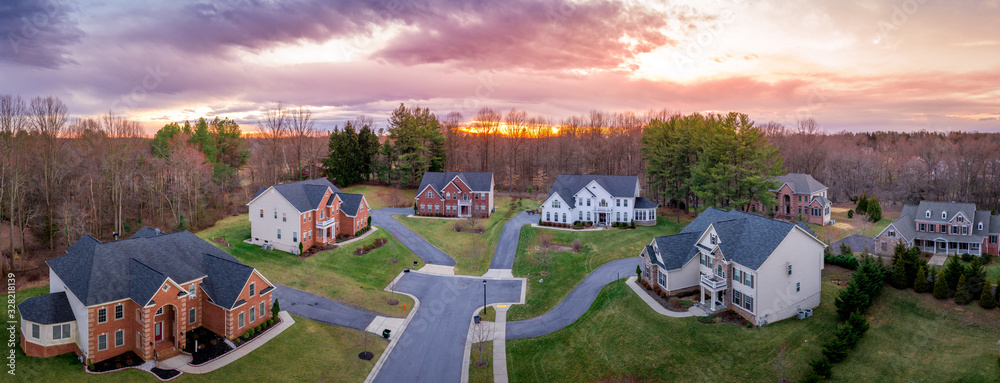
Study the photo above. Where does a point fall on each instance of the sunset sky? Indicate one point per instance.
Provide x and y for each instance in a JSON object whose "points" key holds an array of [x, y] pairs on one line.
{"points": [[856, 66]]}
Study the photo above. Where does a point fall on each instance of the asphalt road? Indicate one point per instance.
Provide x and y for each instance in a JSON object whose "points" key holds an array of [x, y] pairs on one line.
{"points": [[503, 256], [432, 346], [416, 243], [576, 303], [320, 309]]}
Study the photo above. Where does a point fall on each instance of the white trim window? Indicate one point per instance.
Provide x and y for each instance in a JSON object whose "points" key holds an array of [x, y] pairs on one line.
{"points": [[102, 342], [192, 316], [119, 311], [61, 331], [789, 269], [102, 315], [798, 286], [252, 288], [241, 320], [261, 309], [36, 331], [119, 338], [556, 204], [192, 291], [748, 303], [663, 279], [737, 298], [279, 233], [159, 311], [430, 194], [253, 314]]}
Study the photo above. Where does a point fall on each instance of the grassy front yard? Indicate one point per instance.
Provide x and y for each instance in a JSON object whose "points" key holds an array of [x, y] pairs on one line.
{"points": [[336, 274], [472, 251], [567, 269], [856, 225], [379, 196], [481, 374], [911, 339], [307, 351]]}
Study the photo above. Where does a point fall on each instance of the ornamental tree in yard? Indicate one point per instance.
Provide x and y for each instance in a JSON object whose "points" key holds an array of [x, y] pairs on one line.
{"points": [[986, 300], [962, 296], [874, 210], [941, 289], [920, 284]]}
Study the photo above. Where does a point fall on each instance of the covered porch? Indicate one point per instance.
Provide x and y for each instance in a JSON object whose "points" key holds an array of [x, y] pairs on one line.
{"points": [[715, 288], [943, 246]]}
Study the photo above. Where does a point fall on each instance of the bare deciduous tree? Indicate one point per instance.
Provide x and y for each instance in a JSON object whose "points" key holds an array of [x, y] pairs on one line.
{"points": [[302, 129]]}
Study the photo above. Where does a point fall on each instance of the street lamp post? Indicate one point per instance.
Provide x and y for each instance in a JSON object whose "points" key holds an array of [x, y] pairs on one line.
{"points": [[484, 297]]}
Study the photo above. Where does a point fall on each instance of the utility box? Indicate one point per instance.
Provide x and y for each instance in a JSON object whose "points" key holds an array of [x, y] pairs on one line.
{"points": [[385, 333]]}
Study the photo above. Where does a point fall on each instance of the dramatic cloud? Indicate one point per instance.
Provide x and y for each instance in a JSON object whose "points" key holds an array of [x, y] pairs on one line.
{"points": [[37, 33]]}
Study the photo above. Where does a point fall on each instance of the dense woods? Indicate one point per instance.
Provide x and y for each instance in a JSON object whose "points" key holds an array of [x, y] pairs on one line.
{"points": [[63, 177]]}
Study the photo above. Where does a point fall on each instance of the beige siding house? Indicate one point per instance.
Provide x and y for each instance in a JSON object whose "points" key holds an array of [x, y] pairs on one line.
{"points": [[763, 269]]}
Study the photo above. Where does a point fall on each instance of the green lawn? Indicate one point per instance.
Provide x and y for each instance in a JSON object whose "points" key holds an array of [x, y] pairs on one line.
{"points": [[481, 374], [567, 269], [472, 252], [621, 338], [383, 196], [307, 351], [336, 274]]}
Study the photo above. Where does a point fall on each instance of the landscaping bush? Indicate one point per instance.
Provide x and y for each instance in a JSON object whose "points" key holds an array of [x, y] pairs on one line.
{"points": [[920, 283], [657, 290], [845, 261], [708, 319], [953, 269], [275, 308], [822, 367], [874, 210], [941, 289], [966, 257], [986, 300], [845, 249], [962, 295], [862, 206], [987, 257], [864, 286], [850, 213], [686, 303]]}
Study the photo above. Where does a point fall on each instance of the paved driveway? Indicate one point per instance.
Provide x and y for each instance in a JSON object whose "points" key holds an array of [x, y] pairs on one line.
{"points": [[503, 256], [320, 309], [419, 246], [576, 303], [432, 346]]}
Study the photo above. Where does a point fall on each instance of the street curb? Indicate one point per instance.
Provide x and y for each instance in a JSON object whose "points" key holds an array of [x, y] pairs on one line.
{"points": [[395, 339]]}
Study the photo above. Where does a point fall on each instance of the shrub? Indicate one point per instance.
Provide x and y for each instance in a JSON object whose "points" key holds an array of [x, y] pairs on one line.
{"points": [[275, 308], [256, 329], [862, 206], [835, 350], [850, 213], [941, 289], [966, 257], [987, 257], [845, 261], [920, 284], [709, 319], [369, 221], [952, 270], [638, 272], [845, 249], [986, 300], [577, 245], [657, 290], [246, 335], [874, 210], [686, 303], [821, 367], [962, 296]]}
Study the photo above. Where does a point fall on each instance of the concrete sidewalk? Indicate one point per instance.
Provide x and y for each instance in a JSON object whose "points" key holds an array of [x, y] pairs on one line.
{"points": [[232, 356], [653, 304], [500, 346]]}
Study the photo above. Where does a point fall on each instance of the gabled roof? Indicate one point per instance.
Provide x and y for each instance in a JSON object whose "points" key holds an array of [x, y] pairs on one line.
{"points": [[904, 225], [857, 242], [303, 195], [146, 232], [47, 309], [477, 181], [567, 185], [822, 200], [744, 238], [949, 208], [642, 203], [800, 183], [995, 224], [134, 268], [351, 202], [226, 279], [984, 217]]}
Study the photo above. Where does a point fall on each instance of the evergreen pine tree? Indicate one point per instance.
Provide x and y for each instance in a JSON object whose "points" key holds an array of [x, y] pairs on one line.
{"points": [[874, 210], [962, 296], [986, 300], [941, 289], [898, 278], [952, 270], [862, 207], [976, 276], [920, 282]]}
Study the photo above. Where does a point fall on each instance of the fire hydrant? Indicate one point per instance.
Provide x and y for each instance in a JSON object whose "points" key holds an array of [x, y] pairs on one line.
{"points": [[404, 306]]}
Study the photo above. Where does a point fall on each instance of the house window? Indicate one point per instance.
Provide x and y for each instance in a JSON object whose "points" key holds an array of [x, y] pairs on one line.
{"points": [[714, 239], [927, 214], [748, 304], [701, 258], [284, 217], [262, 213], [892, 233], [253, 316], [192, 316], [588, 216], [447, 195], [295, 236], [993, 239], [119, 338], [102, 315], [588, 201], [618, 216], [618, 202], [102, 342], [748, 279], [944, 228], [61, 331], [626, 216], [581, 217], [241, 320], [719, 272], [119, 312], [647, 272], [36, 331], [422, 208], [960, 218], [430, 194], [737, 275], [437, 208], [548, 216], [192, 291], [800, 198], [931, 228], [923, 227], [954, 229], [965, 230], [275, 213], [789, 269], [159, 311], [626, 203], [974, 246], [737, 297], [944, 215], [798, 286], [279, 233], [556, 204], [564, 217], [980, 226], [663, 279], [251, 289], [262, 309]]}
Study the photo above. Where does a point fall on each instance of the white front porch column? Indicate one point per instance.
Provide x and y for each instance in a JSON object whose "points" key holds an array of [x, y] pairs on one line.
{"points": [[702, 293], [713, 301]]}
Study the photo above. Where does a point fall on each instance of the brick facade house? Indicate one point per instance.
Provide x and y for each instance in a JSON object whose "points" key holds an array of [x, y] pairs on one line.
{"points": [[312, 212], [763, 269], [798, 195], [942, 227], [455, 194], [141, 294]]}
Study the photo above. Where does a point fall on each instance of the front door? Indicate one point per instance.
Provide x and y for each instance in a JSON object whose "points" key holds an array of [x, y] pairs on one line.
{"points": [[158, 331]]}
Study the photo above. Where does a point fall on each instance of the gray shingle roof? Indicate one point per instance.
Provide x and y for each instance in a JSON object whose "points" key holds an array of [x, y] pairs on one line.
{"points": [[995, 224], [984, 217], [904, 225], [477, 181], [146, 232], [108, 271], [745, 238], [800, 183], [47, 309], [949, 208], [642, 203], [304, 195], [567, 185], [226, 278], [351, 202], [822, 200]]}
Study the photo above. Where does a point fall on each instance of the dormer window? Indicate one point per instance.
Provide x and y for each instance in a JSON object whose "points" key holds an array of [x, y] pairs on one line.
{"points": [[960, 218], [927, 214], [944, 215], [980, 226], [714, 239]]}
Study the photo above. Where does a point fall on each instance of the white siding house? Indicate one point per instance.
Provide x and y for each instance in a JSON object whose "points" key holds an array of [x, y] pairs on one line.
{"points": [[596, 199]]}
